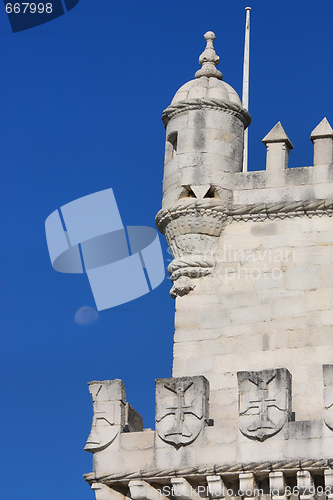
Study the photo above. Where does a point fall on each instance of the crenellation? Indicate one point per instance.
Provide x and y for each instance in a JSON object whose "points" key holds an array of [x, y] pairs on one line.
{"points": [[322, 138], [314, 181], [278, 146]]}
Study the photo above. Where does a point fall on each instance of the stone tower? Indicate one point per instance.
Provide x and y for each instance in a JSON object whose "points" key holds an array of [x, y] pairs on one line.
{"points": [[248, 412]]}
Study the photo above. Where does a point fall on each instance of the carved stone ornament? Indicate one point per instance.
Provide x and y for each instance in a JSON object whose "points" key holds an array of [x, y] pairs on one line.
{"points": [[264, 402], [192, 228], [209, 59], [328, 395], [181, 286], [204, 103], [283, 210], [109, 400], [181, 409]]}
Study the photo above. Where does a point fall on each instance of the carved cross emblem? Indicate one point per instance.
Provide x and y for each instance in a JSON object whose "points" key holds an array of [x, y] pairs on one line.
{"points": [[264, 402], [181, 408]]}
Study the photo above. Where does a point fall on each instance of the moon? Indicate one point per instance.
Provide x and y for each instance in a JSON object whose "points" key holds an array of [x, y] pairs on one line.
{"points": [[86, 316]]}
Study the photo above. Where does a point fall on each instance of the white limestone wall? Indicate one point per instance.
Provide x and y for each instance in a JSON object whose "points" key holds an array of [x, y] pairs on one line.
{"points": [[268, 305]]}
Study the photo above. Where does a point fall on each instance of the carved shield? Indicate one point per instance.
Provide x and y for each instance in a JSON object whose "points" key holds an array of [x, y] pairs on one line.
{"points": [[181, 408], [109, 399], [328, 395], [264, 402]]}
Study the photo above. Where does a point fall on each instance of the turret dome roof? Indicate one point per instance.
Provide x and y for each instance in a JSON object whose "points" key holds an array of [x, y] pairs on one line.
{"points": [[206, 88], [208, 82]]}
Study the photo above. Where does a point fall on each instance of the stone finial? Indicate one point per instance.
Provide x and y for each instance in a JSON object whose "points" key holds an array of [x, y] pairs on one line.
{"points": [[277, 134], [322, 138], [209, 59]]}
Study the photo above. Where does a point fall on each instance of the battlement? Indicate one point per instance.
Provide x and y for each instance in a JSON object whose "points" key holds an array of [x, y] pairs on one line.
{"points": [[278, 183]]}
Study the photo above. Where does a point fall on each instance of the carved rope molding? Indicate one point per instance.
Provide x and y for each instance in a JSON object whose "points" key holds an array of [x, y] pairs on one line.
{"points": [[255, 212], [192, 267], [262, 211], [155, 474], [218, 104], [209, 217]]}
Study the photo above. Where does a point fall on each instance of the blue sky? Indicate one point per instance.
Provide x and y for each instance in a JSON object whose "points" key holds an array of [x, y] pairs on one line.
{"points": [[81, 103]]}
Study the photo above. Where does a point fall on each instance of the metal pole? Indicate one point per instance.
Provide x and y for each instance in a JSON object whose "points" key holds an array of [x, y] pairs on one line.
{"points": [[245, 95]]}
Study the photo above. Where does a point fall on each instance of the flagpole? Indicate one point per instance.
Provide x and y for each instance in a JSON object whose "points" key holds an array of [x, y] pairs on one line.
{"points": [[245, 95]]}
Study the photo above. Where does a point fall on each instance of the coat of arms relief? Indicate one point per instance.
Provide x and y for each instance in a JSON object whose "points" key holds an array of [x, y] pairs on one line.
{"points": [[112, 415], [181, 409], [264, 402], [328, 395], [109, 399]]}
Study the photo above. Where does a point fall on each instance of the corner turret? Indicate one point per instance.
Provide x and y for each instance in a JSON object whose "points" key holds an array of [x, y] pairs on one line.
{"points": [[205, 125]]}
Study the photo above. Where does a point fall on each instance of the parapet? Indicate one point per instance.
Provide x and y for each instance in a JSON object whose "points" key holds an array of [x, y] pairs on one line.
{"points": [[189, 457], [280, 184]]}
